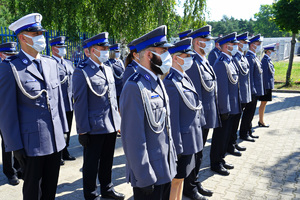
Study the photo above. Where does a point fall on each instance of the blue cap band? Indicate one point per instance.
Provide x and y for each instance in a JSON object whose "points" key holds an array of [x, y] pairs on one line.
{"points": [[226, 40], [151, 41], [242, 37], [183, 35], [200, 34], [254, 39], [114, 48], [25, 27], [132, 48], [102, 40], [7, 49], [179, 48], [58, 42]]}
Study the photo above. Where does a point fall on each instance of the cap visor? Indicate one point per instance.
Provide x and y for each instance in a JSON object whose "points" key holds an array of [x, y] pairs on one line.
{"points": [[167, 45]]}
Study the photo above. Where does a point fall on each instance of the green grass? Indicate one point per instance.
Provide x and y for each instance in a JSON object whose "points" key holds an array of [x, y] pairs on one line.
{"points": [[280, 75]]}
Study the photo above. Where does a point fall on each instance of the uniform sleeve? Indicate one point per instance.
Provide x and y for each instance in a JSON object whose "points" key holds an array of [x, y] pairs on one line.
{"points": [[133, 135], [174, 102], [127, 73], [80, 93], [222, 87], [251, 68], [62, 110], [9, 123], [265, 66]]}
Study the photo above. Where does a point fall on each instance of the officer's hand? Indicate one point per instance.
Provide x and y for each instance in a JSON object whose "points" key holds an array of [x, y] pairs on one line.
{"points": [[21, 157], [224, 116], [148, 189], [84, 139]]}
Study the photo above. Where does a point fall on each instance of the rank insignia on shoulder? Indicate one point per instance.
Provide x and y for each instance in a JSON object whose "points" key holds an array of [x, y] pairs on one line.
{"points": [[147, 77], [154, 96], [135, 77]]}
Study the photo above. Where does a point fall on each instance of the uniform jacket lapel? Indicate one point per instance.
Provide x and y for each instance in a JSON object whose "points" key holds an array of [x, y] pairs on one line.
{"points": [[154, 83], [208, 69], [96, 68], [30, 66]]}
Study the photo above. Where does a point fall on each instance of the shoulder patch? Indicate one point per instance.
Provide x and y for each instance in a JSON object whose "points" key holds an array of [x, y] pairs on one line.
{"points": [[135, 77], [170, 76]]}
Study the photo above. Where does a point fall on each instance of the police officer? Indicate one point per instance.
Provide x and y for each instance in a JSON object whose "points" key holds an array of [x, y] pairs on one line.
{"points": [[256, 84], [65, 68], [86, 53], [204, 79], [33, 117], [97, 118], [184, 34], [146, 131], [10, 164], [268, 77], [131, 62], [117, 67], [229, 102], [242, 65], [186, 109], [214, 54]]}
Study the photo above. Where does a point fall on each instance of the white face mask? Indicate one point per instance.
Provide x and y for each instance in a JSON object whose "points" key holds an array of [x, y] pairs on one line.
{"points": [[208, 46], [166, 61], [188, 62], [104, 55], [62, 51], [258, 48], [39, 42], [272, 54], [245, 47], [117, 54], [234, 50]]}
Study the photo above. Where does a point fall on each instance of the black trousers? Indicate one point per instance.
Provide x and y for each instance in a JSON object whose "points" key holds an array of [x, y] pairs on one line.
{"points": [[10, 164], [248, 114], [98, 160], [220, 141], [233, 133], [191, 182], [41, 176], [69, 120], [204, 137], [161, 192]]}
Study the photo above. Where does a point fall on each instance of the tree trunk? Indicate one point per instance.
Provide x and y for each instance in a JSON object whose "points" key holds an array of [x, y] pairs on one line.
{"points": [[289, 70]]}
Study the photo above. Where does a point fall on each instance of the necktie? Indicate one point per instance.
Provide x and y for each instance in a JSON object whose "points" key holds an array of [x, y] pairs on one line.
{"points": [[38, 65]]}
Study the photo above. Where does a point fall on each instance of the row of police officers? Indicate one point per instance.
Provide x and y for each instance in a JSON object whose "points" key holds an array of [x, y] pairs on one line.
{"points": [[164, 123]]}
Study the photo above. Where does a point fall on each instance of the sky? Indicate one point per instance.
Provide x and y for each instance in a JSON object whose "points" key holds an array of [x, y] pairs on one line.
{"points": [[239, 9]]}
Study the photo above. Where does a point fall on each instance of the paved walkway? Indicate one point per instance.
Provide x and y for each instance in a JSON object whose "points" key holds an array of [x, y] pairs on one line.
{"points": [[269, 169]]}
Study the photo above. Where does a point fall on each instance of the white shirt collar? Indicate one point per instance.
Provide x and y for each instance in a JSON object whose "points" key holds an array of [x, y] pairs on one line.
{"points": [[252, 52], [96, 63], [182, 74], [30, 57], [230, 57], [149, 71], [57, 58]]}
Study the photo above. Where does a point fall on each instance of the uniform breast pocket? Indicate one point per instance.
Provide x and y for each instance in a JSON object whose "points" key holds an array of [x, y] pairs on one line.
{"points": [[98, 85], [54, 85], [33, 87]]}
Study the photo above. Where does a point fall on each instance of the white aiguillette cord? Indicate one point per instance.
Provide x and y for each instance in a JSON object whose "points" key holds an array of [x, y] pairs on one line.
{"points": [[17, 78]]}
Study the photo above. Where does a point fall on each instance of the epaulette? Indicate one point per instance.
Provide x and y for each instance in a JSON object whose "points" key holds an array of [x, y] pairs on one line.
{"points": [[221, 58], [82, 65], [135, 77], [170, 76], [250, 55], [10, 58]]}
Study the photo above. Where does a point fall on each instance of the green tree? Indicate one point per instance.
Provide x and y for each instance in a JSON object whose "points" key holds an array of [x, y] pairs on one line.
{"points": [[287, 17], [265, 23], [194, 17]]}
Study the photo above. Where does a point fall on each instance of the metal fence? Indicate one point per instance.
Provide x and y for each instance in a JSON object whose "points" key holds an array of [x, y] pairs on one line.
{"points": [[7, 35]]}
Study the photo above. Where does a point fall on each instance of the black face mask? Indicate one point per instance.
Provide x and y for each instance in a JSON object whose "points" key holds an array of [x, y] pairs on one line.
{"points": [[154, 63]]}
